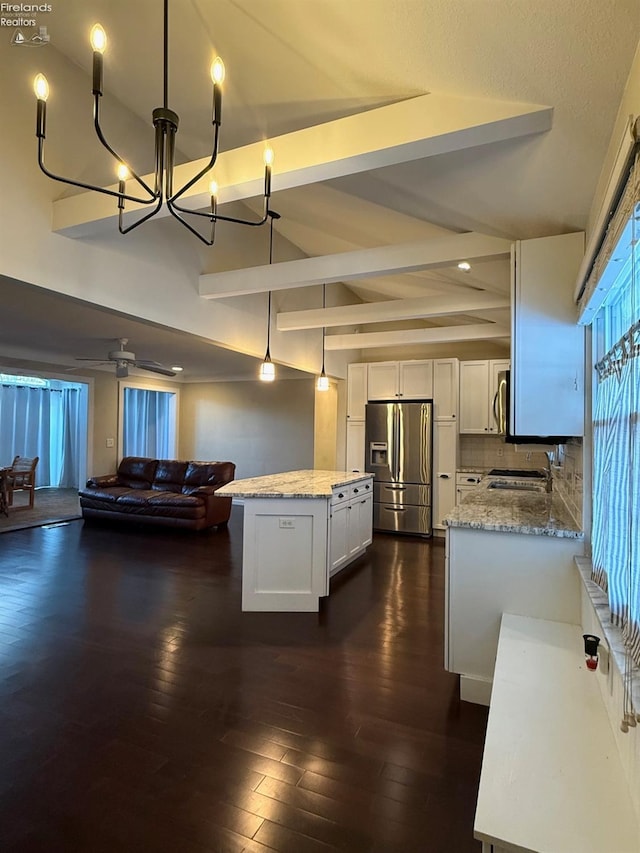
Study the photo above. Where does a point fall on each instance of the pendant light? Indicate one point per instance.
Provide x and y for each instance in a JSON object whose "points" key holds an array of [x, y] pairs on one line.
{"points": [[323, 379], [267, 368]]}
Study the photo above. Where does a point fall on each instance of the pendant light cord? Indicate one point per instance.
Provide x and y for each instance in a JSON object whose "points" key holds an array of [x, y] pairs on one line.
{"points": [[324, 290], [166, 55], [270, 262]]}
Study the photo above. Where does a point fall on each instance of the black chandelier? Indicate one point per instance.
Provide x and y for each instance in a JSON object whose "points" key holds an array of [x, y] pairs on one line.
{"points": [[166, 122]]}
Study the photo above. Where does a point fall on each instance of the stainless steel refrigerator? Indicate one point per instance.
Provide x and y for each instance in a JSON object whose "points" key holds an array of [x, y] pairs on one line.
{"points": [[398, 446]]}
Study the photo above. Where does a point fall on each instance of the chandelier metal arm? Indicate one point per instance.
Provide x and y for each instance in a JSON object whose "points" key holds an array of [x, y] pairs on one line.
{"points": [[218, 217], [116, 156], [80, 184], [173, 210], [139, 221], [202, 172]]}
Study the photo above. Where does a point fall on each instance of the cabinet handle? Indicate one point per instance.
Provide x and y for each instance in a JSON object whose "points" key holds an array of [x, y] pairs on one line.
{"points": [[355, 491], [341, 495], [363, 502], [486, 429], [443, 476], [471, 480], [367, 487]]}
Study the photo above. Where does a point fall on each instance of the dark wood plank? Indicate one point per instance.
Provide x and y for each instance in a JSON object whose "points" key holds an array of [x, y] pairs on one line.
{"points": [[140, 709]]}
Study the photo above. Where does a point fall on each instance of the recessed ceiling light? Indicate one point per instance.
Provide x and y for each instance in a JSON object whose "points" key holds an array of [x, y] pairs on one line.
{"points": [[177, 368], [464, 265]]}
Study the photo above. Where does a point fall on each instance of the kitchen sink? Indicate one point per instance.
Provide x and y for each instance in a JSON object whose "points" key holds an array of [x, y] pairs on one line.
{"points": [[517, 487]]}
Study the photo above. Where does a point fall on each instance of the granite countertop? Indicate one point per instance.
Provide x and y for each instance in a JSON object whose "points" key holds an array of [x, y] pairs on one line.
{"points": [[291, 484], [535, 513]]}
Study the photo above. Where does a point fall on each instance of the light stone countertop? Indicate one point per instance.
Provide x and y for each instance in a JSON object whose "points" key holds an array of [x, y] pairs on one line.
{"points": [[291, 484], [538, 514]]}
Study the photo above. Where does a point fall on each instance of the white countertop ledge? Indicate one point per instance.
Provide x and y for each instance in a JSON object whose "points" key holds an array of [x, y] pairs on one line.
{"points": [[292, 484]]}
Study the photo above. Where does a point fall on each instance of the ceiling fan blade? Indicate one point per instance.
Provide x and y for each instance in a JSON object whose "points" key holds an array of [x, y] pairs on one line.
{"points": [[94, 360], [143, 361], [155, 368]]}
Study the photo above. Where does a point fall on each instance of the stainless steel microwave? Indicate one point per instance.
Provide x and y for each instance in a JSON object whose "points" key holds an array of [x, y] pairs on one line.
{"points": [[502, 415]]}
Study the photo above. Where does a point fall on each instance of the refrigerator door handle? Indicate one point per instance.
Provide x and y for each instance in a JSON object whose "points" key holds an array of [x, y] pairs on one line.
{"points": [[395, 488]]}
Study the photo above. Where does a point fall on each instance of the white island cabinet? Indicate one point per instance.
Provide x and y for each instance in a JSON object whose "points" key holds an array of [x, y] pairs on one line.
{"points": [[300, 528]]}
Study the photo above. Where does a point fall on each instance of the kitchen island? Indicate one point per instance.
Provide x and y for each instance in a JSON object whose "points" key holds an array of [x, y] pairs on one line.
{"points": [[300, 528], [509, 549]]}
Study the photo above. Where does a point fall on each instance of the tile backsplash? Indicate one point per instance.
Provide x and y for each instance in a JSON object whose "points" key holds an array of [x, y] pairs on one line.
{"points": [[567, 476], [491, 451]]}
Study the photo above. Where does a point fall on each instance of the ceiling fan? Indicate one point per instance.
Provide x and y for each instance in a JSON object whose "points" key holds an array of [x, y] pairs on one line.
{"points": [[123, 360]]}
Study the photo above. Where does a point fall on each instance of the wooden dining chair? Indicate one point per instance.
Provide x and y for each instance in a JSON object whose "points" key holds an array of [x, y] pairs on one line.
{"points": [[22, 478]]}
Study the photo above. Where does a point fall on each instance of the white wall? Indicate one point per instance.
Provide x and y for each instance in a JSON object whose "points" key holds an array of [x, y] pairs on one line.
{"points": [[265, 428]]}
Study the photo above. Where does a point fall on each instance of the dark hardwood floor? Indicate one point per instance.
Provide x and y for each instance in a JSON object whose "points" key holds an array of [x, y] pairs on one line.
{"points": [[141, 710]]}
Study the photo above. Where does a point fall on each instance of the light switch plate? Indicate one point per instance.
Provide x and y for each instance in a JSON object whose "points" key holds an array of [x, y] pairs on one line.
{"points": [[111, 442], [288, 523]]}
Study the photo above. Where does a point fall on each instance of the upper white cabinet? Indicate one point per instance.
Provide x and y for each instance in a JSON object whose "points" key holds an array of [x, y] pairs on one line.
{"points": [[478, 388], [445, 389], [547, 345], [407, 380], [356, 391]]}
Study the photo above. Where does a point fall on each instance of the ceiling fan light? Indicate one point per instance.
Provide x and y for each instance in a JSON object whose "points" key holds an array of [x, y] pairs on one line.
{"points": [[177, 368]]}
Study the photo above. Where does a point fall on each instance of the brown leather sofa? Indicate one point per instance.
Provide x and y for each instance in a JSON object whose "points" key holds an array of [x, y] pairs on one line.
{"points": [[160, 491]]}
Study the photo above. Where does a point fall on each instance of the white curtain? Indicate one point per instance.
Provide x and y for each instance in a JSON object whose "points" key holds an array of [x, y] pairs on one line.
{"points": [[43, 422], [616, 451], [148, 423]]}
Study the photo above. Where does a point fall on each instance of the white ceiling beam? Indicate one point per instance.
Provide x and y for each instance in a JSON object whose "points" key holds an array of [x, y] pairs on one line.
{"points": [[419, 127], [348, 266], [395, 309], [446, 334]]}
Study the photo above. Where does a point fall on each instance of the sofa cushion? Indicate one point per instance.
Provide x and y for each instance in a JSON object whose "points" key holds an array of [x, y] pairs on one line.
{"points": [[207, 474], [137, 472], [174, 499], [109, 495], [169, 476]]}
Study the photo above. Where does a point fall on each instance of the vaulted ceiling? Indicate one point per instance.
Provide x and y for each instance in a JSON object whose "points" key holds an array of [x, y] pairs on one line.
{"points": [[446, 117]]}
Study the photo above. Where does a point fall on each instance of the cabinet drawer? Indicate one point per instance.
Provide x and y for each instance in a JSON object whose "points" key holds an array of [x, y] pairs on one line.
{"points": [[361, 489], [412, 494], [340, 494], [403, 519]]}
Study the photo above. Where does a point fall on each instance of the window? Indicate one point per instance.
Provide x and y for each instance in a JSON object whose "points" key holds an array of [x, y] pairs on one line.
{"points": [[616, 438], [45, 418], [148, 422]]}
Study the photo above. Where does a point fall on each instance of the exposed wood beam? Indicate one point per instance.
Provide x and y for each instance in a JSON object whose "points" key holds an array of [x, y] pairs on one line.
{"points": [[394, 309], [347, 266], [446, 334], [397, 133]]}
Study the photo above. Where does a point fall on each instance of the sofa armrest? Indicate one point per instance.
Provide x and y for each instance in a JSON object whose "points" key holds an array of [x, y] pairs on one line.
{"points": [[103, 481]]}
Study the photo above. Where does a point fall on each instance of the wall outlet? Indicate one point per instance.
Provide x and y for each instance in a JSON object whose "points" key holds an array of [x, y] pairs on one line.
{"points": [[500, 451], [111, 442], [289, 523]]}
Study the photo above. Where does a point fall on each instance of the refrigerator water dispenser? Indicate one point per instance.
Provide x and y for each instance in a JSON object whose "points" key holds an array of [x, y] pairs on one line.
{"points": [[378, 453]]}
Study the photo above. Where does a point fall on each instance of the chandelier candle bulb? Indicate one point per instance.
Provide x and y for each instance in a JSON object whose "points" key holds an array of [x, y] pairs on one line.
{"points": [[268, 163], [98, 39], [41, 88], [217, 75]]}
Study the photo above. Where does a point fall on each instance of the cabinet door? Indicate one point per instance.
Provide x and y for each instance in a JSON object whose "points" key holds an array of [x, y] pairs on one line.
{"points": [[362, 515], [445, 444], [496, 367], [382, 380], [416, 380], [355, 446], [445, 388], [338, 534], [356, 391], [547, 345], [474, 397]]}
